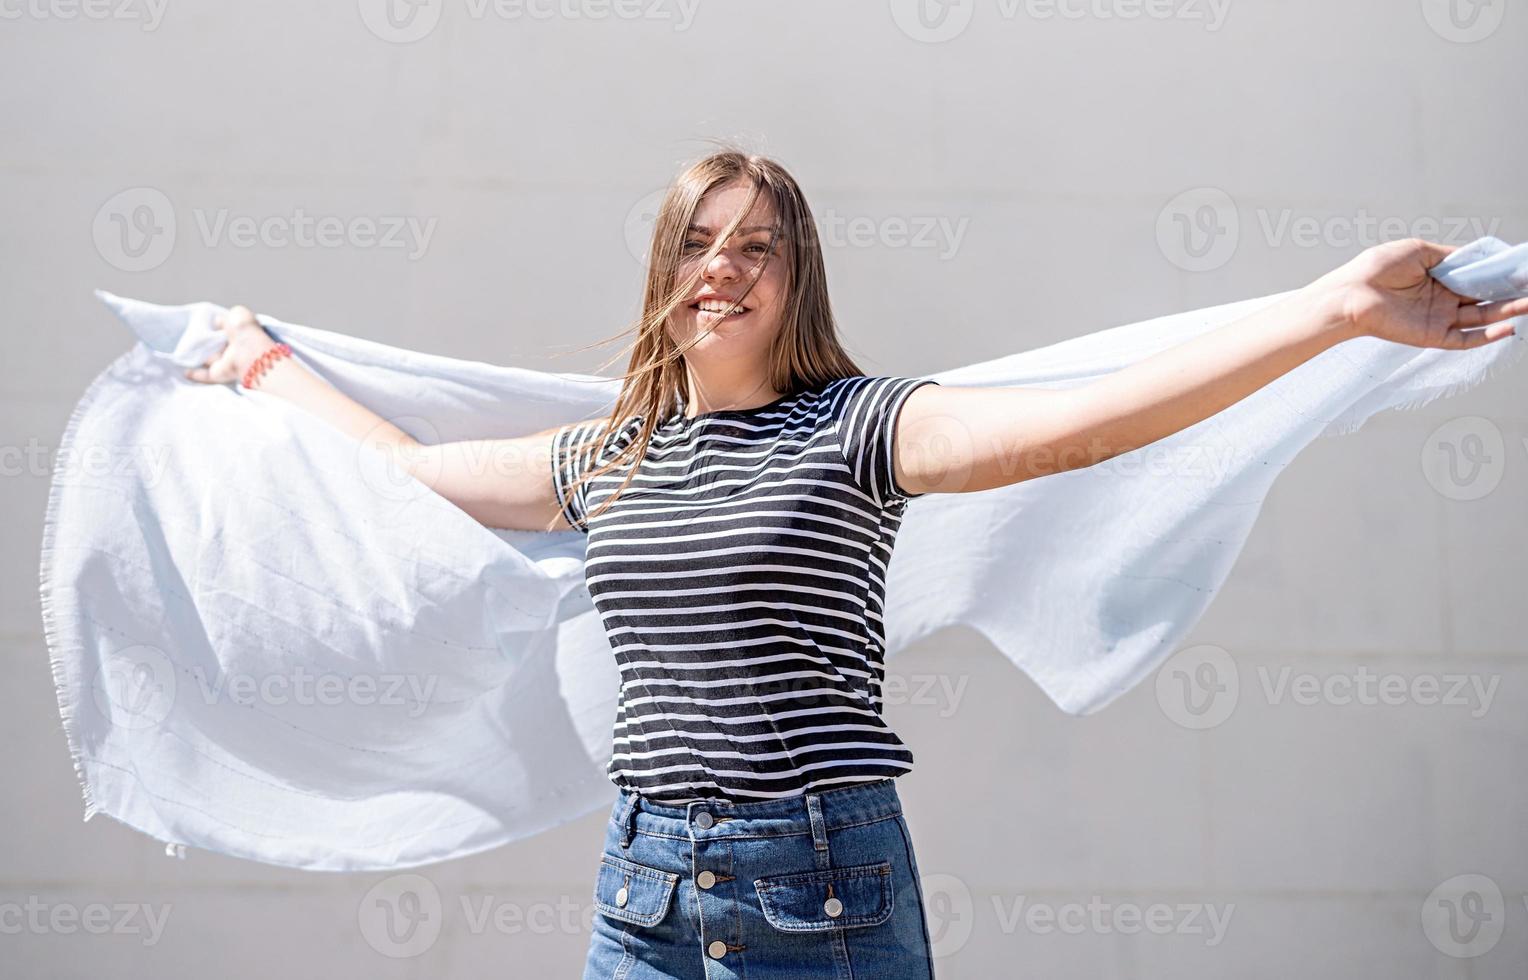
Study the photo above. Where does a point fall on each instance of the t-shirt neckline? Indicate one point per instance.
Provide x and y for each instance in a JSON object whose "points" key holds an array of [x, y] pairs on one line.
{"points": [[681, 419]]}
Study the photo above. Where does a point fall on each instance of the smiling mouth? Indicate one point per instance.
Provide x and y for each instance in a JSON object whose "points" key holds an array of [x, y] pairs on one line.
{"points": [[715, 311]]}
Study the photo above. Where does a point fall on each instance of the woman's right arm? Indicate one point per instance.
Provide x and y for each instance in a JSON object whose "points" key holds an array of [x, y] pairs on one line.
{"points": [[504, 483]]}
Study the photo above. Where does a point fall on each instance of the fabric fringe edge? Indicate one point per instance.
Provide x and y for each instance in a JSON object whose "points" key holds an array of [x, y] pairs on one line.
{"points": [[67, 705], [1517, 347]]}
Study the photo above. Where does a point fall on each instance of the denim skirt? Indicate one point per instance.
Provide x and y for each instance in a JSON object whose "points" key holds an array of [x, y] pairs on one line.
{"points": [[822, 884]]}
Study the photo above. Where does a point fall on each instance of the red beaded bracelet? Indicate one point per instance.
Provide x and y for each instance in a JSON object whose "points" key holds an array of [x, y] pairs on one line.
{"points": [[264, 361]]}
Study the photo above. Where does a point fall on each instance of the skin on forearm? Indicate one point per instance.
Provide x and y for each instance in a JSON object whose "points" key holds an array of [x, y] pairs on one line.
{"points": [[504, 483], [956, 440], [1185, 384], [292, 381]]}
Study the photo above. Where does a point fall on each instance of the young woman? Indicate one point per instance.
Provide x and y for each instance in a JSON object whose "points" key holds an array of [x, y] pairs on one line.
{"points": [[741, 501]]}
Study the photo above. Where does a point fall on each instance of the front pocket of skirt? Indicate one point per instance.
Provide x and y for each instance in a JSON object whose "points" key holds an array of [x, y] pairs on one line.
{"points": [[633, 892], [832, 898]]}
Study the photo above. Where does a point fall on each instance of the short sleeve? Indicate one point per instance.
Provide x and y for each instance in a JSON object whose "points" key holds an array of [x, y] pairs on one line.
{"points": [[864, 412], [566, 469], [569, 463]]}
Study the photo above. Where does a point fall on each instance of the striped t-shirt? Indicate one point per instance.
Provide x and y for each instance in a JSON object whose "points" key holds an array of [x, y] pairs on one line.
{"points": [[740, 577]]}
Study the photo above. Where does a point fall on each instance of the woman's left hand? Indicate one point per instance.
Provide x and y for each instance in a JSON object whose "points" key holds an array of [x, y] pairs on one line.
{"points": [[1386, 291]]}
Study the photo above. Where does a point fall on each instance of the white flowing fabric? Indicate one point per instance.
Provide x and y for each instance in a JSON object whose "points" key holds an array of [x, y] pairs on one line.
{"points": [[267, 644]]}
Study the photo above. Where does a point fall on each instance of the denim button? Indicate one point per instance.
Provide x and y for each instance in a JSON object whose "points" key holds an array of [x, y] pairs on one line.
{"points": [[717, 949], [621, 896], [705, 879], [704, 820], [833, 907]]}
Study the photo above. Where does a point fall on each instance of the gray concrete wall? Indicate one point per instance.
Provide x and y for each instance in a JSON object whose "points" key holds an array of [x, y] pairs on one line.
{"points": [[1303, 835]]}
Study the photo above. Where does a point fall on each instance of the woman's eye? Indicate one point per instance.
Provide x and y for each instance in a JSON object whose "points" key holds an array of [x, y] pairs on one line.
{"points": [[758, 248]]}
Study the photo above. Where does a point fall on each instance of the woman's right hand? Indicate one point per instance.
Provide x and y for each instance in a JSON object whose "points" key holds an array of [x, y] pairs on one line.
{"points": [[246, 341]]}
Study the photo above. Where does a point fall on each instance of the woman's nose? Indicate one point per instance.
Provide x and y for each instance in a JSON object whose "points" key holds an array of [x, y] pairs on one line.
{"points": [[722, 266]]}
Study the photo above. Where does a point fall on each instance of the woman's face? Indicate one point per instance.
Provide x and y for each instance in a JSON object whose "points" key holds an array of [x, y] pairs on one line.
{"points": [[738, 272]]}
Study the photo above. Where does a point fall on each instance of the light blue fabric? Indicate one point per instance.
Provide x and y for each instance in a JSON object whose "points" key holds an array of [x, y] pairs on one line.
{"points": [[202, 542]]}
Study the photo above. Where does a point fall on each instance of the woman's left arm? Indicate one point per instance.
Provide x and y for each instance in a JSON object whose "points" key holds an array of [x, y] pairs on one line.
{"points": [[995, 436]]}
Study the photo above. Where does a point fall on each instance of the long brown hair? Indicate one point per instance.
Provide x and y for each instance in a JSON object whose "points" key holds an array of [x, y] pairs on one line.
{"points": [[806, 351]]}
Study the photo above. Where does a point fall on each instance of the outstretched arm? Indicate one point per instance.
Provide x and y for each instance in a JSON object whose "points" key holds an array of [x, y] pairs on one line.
{"points": [[503, 483], [1006, 435]]}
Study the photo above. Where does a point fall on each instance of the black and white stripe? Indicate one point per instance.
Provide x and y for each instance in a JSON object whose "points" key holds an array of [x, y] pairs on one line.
{"points": [[741, 578]]}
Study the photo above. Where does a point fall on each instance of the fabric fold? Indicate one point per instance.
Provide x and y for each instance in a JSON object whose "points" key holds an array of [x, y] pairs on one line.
{"points": [[268, 643]]}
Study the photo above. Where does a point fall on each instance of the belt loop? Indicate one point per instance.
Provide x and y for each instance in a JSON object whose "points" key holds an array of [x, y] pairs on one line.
{"points": [[629, 820], [819, 829]]}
